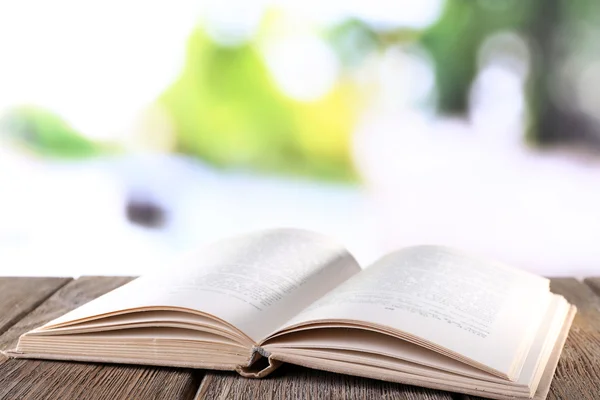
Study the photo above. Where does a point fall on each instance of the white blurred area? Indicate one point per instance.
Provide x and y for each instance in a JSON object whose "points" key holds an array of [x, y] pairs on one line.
{"points": [[468, 183], [95, 63], [473, 183], [69, 219]]}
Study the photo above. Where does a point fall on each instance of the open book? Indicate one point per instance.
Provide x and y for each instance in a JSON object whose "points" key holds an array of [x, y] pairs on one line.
{"points": [[428, 316]]}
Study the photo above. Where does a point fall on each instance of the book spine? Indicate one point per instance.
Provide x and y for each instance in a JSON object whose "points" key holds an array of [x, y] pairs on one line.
{"points": [[260, 364]]}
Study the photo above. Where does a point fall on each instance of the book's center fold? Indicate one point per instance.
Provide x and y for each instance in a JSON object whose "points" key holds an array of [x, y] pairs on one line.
{"points": [[261, 364]]}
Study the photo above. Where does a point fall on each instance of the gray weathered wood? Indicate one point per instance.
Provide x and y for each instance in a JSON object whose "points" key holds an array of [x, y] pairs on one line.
{"points": [[578, 372], [292, 382], [577, 376], [34, 379], [18, 296], [69, 297], [593, 283]]}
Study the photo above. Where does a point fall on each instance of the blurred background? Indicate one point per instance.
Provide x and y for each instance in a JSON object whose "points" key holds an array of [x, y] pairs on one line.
{"points": [[132, 131]]}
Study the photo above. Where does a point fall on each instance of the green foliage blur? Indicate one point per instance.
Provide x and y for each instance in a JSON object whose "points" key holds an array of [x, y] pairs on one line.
{"points": [[227, 109], [44, 133], [455, 39]]}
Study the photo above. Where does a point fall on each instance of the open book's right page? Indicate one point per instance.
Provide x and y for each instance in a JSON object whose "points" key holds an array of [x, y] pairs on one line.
{"points": [[481, 311]]}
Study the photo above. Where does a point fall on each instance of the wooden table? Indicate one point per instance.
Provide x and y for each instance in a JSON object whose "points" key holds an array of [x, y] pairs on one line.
{"points": [[26, 303]]}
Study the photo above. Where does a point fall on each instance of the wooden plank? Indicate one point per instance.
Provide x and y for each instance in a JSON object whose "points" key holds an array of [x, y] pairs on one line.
{"points": [[292, 382], [18, 296], [36, 379], [594, 284], [577, 375], [69, 297], [587, 302], [32, 380], [578, 372]]}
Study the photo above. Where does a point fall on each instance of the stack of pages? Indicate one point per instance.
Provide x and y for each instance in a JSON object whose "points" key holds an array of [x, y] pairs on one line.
{"points": [[426, 315]]}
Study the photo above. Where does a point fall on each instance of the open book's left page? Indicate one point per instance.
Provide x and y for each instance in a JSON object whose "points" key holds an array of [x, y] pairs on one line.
{"points": [[254, 282]]}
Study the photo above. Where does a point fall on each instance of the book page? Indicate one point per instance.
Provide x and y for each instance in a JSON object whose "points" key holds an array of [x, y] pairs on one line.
{"points": [[365, 342], [254, 282], [482, 310]]}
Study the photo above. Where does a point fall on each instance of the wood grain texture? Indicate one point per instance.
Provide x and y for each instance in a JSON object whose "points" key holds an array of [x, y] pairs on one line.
{"points": [[18, 296], [594, 284], [578, 372], [577, 376], [36, 379], [292, 382], [69, 297], [32, 379]]}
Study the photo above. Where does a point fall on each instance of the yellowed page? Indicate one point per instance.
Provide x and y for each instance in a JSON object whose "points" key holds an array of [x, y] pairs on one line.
{"points": [[254, 282], [383, 368], [484, 311], [365, 343]]}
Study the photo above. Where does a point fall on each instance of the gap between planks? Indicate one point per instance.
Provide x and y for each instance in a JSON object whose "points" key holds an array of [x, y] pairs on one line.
{"points": [[35, 379], [20, 295], [583, 345]]}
